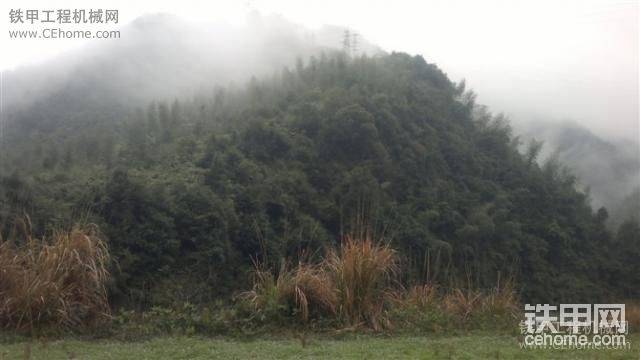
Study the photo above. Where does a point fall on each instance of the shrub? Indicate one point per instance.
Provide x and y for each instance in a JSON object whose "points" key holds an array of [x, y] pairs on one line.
{"points": [[422, 297], [495, 308], [502, 300], [179, 319], [424, 308], [361, 270], [462, 303], [58, 282], [353, 285], [632, 314], [301, 290]]}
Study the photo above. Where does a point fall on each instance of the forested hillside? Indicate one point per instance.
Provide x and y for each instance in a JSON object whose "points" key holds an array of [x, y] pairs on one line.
{"points": [[189, 190]]}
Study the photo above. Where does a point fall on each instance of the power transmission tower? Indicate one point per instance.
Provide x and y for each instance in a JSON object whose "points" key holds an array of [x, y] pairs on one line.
{"points": [[346, 42], [354, 43]]}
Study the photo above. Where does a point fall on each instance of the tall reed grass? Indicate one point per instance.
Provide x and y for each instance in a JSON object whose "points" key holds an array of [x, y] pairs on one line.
{"points": [[57, 281], [303, 289], [352, 284], [356, 286], [362, 271]]}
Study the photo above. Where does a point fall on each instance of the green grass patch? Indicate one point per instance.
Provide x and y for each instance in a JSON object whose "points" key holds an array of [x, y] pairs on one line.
{"points": [[316, 347]]}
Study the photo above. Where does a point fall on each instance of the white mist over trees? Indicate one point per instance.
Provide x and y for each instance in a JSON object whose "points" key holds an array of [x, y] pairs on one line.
{"points": [[163, 56]]}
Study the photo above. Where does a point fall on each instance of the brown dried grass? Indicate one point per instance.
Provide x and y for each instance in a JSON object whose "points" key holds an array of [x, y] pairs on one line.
{"points": [[351, 284], [306, 287], [422, 297], [58, 281], [462, 303], [355, 285], [632, 314], [362, 269]]}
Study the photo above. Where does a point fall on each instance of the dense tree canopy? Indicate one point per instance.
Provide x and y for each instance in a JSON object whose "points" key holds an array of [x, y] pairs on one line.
{"points": [[189, 191]]}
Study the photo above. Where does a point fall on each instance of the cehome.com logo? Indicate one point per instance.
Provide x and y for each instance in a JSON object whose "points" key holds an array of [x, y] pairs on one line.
{"points": [[574, 326]]}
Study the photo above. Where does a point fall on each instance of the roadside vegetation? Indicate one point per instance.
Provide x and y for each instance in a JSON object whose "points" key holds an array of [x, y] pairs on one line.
{"points": [[59, 283]]}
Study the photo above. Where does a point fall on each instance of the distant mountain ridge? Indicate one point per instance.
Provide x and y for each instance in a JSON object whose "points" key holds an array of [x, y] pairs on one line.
{"points": [[609, 168]]}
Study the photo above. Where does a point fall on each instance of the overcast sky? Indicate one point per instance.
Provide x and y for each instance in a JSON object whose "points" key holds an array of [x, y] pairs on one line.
{"points": [[530, 59]]}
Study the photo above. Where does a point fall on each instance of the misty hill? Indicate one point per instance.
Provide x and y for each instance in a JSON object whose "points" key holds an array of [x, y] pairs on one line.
{"points": [[189, 188], [610, 169], [159, 57]]}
